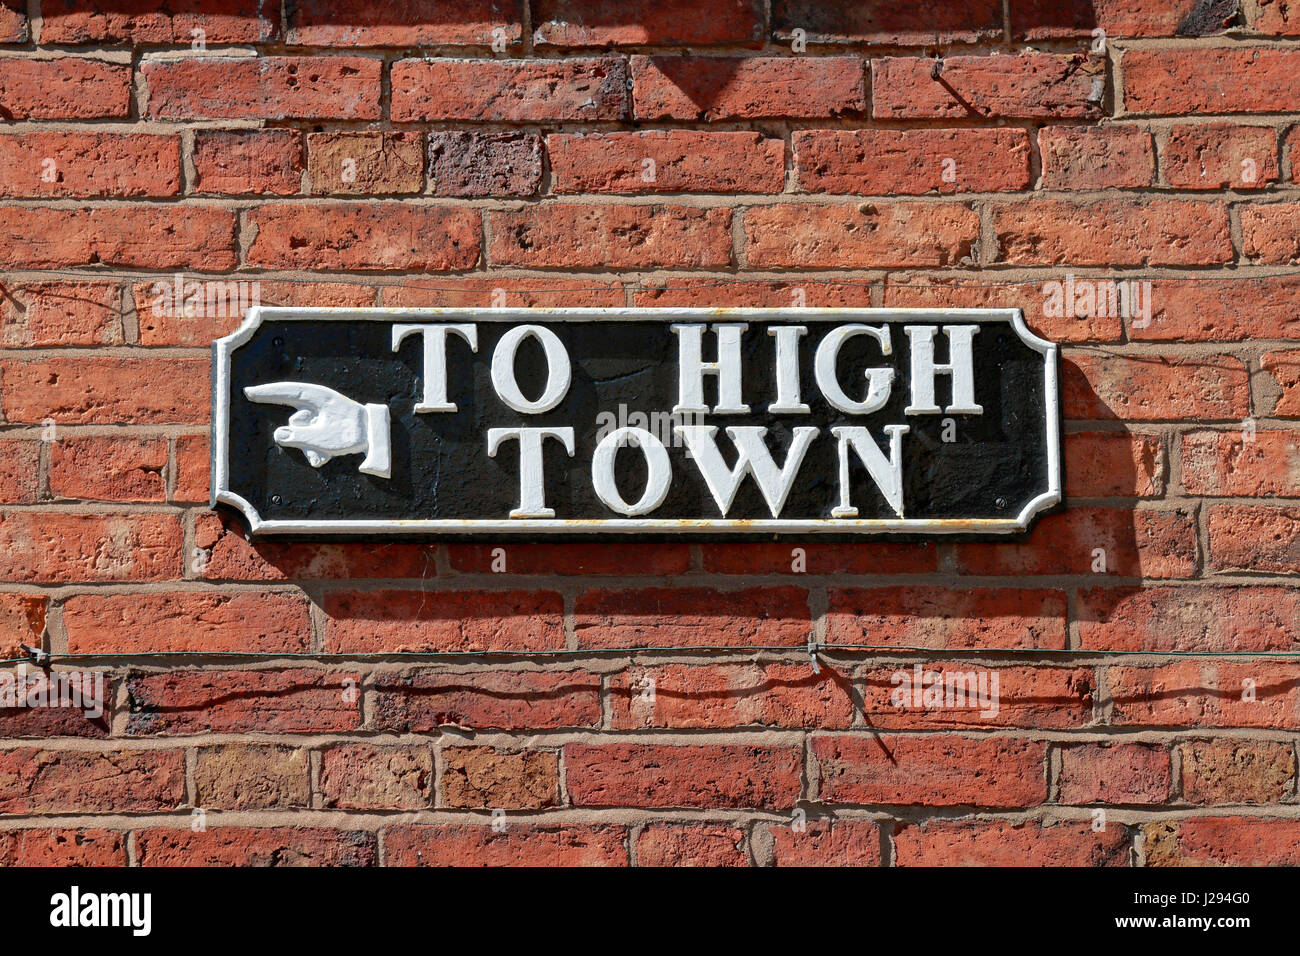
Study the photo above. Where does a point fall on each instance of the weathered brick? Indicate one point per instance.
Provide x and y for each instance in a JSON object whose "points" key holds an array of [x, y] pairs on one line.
{"points": [[700, 775], [669, 844], [1277, 17], [390, 621], [1261, 463], [934, 770], [37, 314], [425, 701], [33, 780], [1237, 771], [826, 843], [714, 88], [1189, 618], [1115, 773], [692, 617], [1121, 464], [484, 164], [1269, 233], [62, 847], [248, 162], [886, 23], [1002, 843], [365, 164], [1210, 80], [172, 236], [90, 164], [944, 617], [1204, 694], [733, 290], [264, 87], [223, 701], [20, 470], [1222, 841], [487, 777], [1050, 19], [264, 622], [61, 703], [517, 845], [912, 162], [367, 777], [1255, 539], [1096, 157], [94, 390], [956, 695], [1282, 368], [496, 291], [861, 235], [109, 468], [383, 236], [577, 235], [247, 777], [586, 23], [649, 558], [413, 23], [57, 548], [510, 91], [998, 86], [1112, 232], [22, 621], [758, 557], [13, 24], [64, 88], [1221, 310], [156, 21], [1102, 387], [1219, 156], [256, 846], [191, 468], [666, 161]]}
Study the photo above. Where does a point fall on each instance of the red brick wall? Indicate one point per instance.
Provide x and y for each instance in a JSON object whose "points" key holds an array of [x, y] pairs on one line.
{"points": [[803, 153]]}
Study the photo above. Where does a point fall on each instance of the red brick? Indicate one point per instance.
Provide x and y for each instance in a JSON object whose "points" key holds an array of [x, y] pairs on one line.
{"points": [[1046, 308], [62, 847], [1269, 233], [757, 557], [178, 236], [1096, 157], [155, 21], [1188, 618], [36, 314], [1222, 310], [196, 311], [1003, 843], [714, 88], [731, 695], [702, 775], [391, 621], [78, 703], [1020, 86], [510, 91], [1255, 539], [64, 88], [294, 701], [895, 696], [383, 236], [683, 161], [61, 548], [1282, 368], [1220, 156], [912, 162], [670, 844], [1204, 694], [261, 622], [1277, 17], [1223, 841], [1049, 19], [243, 777], [1237, 771], [225, 554], [1265, 463], [95, 390], [733, 290], [944, 617], [411, 23], [191, 468], [489, 778], [248, 162], [13, 23], [695, 617], [826, 843], [1115, 774], [484, 164], [366, 777], [649, 558], [1112, 232], [1102, 387], [934, 770], [109, 469], [585, 23], [1118, 464], [22, 621], [1143, 543], [528, 292], [377, 163], [513, 700], [256, 846], [859, 235], [264, 87], [82, 781], [20, 471], [887, 23], [573, 235], [520, 844], [90, 164], [1208, 80]]}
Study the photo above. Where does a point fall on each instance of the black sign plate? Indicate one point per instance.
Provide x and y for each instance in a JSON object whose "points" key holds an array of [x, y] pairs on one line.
{"points": [[635, 421]]}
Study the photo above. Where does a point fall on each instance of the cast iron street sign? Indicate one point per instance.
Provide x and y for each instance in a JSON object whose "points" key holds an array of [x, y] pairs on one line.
{"points": [[630, 421]]}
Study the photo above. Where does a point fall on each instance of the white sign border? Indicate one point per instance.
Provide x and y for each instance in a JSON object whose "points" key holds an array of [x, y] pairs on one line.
{"points": [[223, 348]]}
